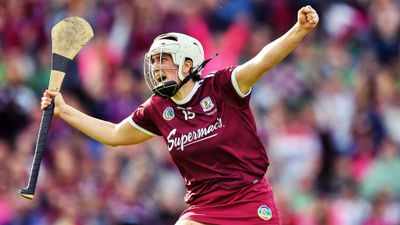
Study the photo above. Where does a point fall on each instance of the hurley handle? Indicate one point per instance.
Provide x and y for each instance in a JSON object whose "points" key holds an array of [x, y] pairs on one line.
{"points": [[47, 115]]}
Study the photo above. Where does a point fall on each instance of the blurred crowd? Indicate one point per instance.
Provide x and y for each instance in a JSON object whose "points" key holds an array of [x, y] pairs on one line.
{"points": [[329, 114]]}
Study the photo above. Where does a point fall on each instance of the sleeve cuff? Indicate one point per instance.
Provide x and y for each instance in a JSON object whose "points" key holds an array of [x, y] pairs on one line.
{"points": [[236, 86], [140, 128]]}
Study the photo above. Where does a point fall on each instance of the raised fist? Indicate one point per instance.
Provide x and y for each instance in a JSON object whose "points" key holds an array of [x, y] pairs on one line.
{"points": [[307, 17]]}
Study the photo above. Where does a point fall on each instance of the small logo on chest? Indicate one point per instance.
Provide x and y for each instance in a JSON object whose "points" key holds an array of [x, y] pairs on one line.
{"points": [[168, 113], [264, 212], [206, 104]]}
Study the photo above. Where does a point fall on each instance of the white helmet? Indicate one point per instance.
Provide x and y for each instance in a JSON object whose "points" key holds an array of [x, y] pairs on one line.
{"points": [[180, 47]]}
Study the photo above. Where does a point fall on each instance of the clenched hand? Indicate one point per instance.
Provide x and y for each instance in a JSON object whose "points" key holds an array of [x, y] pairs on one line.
{"points": [[307, 17]]}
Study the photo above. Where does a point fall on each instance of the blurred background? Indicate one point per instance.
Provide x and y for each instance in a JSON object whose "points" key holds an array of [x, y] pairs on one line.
{"points": [[329, 114]]}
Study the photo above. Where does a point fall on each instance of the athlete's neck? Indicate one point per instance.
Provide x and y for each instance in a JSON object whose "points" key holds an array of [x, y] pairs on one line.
{"points": [[184, 91]]}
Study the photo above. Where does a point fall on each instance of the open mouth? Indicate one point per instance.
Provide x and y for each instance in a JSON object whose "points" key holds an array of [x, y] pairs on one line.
{"points": [[161, 78]]}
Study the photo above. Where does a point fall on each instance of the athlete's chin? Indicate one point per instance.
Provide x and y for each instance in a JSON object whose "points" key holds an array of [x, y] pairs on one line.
{"points": [[163, 82], [167, 81]]}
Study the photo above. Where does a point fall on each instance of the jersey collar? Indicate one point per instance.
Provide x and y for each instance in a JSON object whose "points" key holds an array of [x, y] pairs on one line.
{"points": [[190, 95]]}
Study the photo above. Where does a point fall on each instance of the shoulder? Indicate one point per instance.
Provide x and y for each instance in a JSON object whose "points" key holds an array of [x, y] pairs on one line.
{"points": [[226, 70], [224, 83], [154, 101], [153, 104], [220, 74]]}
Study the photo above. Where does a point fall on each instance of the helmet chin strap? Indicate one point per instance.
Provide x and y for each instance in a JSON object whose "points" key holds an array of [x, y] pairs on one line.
{"points": [[170, 88]]}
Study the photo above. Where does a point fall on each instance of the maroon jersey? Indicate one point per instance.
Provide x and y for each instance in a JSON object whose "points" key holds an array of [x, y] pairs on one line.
{"points": [[211, 135]]}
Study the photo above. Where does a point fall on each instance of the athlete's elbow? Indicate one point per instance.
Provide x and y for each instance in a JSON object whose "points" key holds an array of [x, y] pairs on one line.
{"points": [[108, 142], [118, 141], [112, 144], [111, 140], [114, 141]]}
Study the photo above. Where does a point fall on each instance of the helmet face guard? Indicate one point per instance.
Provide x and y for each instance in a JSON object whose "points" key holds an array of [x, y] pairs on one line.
{"points": [[166, 89], [157, 83], [181, 47]]}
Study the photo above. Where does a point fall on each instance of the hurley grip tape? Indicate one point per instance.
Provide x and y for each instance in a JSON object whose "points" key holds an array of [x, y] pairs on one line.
{"points": [[60, 63], [40, 146]]}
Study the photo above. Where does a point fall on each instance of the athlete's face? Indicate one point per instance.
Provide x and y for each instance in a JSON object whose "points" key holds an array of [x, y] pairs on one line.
{"points": [[164, 68]]}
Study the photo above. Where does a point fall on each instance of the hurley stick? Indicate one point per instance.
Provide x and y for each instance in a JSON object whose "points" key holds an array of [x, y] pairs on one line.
{"points": [[67, 38]]}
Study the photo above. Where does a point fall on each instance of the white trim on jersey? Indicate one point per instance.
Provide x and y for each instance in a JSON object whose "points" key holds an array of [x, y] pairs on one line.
{"points": [[139, 127], [189, 97], [209, 75], [236, 85]]}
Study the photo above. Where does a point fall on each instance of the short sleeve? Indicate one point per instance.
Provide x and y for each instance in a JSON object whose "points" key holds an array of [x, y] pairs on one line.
{"points": [[225, 81], [141, 119]]}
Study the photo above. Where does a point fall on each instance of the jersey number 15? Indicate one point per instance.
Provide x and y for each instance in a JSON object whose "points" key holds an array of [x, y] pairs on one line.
{"points": [[188, 115]]}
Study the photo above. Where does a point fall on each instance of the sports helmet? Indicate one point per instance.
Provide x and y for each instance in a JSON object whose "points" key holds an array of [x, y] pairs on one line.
{"points": [[181, 47]]}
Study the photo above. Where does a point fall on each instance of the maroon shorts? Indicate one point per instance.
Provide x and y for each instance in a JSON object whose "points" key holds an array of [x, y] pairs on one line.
{"points": [[253, 204]]}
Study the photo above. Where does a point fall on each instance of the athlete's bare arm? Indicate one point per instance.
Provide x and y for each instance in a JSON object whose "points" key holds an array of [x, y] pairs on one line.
{"points": [[248, 73], [102, 131]]}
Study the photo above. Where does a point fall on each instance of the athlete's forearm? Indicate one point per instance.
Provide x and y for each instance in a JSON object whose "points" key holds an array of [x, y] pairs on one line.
{"points": [[276, 51], [273, 53], [100, 130]]}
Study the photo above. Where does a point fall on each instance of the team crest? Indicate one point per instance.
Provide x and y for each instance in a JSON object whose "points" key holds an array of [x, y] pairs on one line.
{"points": [[168, 113], [206, 104], [264, 212]]}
